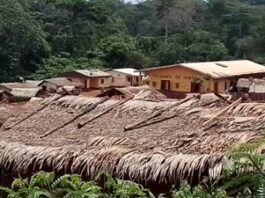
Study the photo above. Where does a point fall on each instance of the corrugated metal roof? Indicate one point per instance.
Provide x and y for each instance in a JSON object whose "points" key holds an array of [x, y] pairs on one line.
{"points": [[34, 83], [60, 82], [16, 85], [221, 69], [93, 73], [25, 92], [128, 71]]}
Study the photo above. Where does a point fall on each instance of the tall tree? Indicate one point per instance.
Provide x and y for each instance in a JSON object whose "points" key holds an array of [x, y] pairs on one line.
{"points": [[44, 37], [22, 42]]}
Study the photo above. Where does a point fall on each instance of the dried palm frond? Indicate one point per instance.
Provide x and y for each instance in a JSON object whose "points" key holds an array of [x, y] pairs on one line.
{"points": [[102, 141], [105, 105], [124, 163], [76, 102]]}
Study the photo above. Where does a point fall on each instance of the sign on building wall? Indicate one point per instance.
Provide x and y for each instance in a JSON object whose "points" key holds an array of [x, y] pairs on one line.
{"points": [[162, 76]]}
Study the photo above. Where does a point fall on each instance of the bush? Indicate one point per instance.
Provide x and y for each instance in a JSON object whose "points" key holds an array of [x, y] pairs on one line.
{"points": [[46, 185]]}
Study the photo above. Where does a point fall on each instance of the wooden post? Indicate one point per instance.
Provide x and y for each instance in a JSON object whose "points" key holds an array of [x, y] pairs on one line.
{"points": [[76, 117], [35, 112], [222, 112], [140, 77], [154, 115], [80, 125]]}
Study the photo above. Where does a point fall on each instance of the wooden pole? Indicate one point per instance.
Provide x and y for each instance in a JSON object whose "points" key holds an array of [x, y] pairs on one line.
{"points": [[155, 114], [144, 124], [80, 125], [76, 117], [140, 77], [35, 112], [222, 112]]}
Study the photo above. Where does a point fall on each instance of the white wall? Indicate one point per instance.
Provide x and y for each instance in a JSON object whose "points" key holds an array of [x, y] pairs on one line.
{"points": [[107, 82], [119, 79], [82, 82]]}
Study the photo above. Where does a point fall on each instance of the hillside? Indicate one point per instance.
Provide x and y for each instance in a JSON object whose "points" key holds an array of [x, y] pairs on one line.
{"points": [[39, 39]]}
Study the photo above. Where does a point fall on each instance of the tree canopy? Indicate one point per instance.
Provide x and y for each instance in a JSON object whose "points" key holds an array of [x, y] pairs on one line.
{"points": [[40, 38]]}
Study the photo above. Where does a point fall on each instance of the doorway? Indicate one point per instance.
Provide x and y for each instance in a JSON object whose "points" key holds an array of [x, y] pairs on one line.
{"points": [[216, 87], [195, 87], [165, 84]]}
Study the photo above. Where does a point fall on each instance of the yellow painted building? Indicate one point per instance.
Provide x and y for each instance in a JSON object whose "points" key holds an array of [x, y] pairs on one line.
{"points": [[202, 77]]}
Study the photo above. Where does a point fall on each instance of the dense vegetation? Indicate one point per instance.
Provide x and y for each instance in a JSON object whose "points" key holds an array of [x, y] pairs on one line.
{"points": [[242, 177], [39, 38], [46, 185]]}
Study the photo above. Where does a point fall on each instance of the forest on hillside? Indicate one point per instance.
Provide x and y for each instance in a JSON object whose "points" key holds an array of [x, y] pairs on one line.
{"points": [[41, 38]]}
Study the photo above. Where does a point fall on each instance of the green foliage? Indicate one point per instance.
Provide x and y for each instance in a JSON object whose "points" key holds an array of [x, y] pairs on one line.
{"points": [[243, 174], [122, 52], [205, 47], [187, 192], [22, 42], [56, 65], [44, 37], [114, 188], [243, 184], [46, 185]]}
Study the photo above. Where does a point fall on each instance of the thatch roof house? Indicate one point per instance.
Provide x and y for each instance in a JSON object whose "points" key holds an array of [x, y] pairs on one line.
{"points": [[156, 143]]}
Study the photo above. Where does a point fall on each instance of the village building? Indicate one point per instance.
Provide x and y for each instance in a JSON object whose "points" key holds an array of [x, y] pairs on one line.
{"points": [[34, 83], [26, 93], [53, 84], [124, 77], [202, 77], [9, 86], [138, 92], [89, 79], [251, 85], [19, 91]]}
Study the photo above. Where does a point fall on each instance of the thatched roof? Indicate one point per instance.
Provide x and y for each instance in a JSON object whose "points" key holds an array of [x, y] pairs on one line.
{"points": [[5, 113], [150, 94], [146, 141], [142, 167]]}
